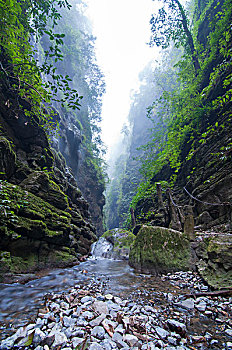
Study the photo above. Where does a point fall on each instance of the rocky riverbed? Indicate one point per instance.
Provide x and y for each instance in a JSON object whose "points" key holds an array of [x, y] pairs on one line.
{"points": [[86, 316]]}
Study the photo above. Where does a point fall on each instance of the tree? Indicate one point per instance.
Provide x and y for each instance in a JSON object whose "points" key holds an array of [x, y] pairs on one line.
{"points": [[22, 24], [171, 24]]}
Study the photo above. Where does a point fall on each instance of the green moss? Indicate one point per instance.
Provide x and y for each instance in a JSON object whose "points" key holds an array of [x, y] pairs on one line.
{"points": [[127, 240], [5, 261], [8, 145], [50, 233], [215, 265], [160, 249], [63, 256], [34, 227]]}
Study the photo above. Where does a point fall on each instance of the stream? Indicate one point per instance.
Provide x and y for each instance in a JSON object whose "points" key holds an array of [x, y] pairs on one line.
{"points": [[19, 303]]}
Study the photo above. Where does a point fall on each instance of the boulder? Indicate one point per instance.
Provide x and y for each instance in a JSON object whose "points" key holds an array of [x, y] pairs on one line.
{"points": [[160, 249], [215, 260]]}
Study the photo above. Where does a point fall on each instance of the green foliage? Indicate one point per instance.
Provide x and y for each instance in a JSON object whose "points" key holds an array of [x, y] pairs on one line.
{"points": [[189, 108], [147, 190], [186, 112], [22, 24], [172, 25]]}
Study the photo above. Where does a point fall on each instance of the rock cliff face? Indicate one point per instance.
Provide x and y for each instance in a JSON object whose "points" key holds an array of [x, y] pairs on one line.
{"points": [[71, 146], [44, 219]]}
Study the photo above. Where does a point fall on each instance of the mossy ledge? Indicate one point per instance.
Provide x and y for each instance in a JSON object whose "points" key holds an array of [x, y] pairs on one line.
{"points": [[35, 234], [159, 249]]}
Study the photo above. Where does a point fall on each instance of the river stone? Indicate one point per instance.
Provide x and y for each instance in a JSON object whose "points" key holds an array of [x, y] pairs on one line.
{"points": [[76, 341], [100, 307], [201, 306], [68, 321], [39, 336], [162, 333], [118, 300], [229, 332], [107, 344], [81, 322], [60, 339], [150, 346], [177, 327], [118, 339], [172, 341], [98, 332], [97, 321], [86, 299], [88, 315], [187, 304], [120, 329], [78, 332], [130, 339], [8, 343], [109, 296], [95, 346]]}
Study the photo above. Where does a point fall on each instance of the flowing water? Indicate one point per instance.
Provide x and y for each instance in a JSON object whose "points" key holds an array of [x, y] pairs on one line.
{"points": [[20, 302]]}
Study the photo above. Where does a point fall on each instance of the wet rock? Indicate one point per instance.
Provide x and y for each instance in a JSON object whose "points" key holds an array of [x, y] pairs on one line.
{"points": [[228, 332], [175, 256]]}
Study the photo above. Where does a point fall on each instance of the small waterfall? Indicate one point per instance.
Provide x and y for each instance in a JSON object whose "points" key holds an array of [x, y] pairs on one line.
{"points": [[102, 249]]}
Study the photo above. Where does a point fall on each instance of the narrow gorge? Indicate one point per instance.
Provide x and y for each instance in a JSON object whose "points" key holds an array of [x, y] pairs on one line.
{"points": [[128, 247]]}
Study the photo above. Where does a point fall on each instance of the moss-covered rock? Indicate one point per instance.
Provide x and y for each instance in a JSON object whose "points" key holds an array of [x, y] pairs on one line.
{"points": [[215, 260], [159, 249], [35, 234], [40, 184], [7, 158], [121, 241], [44, 219]]}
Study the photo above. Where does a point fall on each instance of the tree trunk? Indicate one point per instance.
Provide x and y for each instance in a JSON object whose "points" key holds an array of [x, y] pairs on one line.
{"points": [[133, 221], [189, 38]]}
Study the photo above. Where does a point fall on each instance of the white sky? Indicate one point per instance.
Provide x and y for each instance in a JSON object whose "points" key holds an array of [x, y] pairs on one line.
{"points": [[123, 31]]}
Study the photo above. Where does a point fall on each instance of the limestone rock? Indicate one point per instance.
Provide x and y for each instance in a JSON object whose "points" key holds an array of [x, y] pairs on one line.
{"points": [[160, 249], [215, 260]]}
